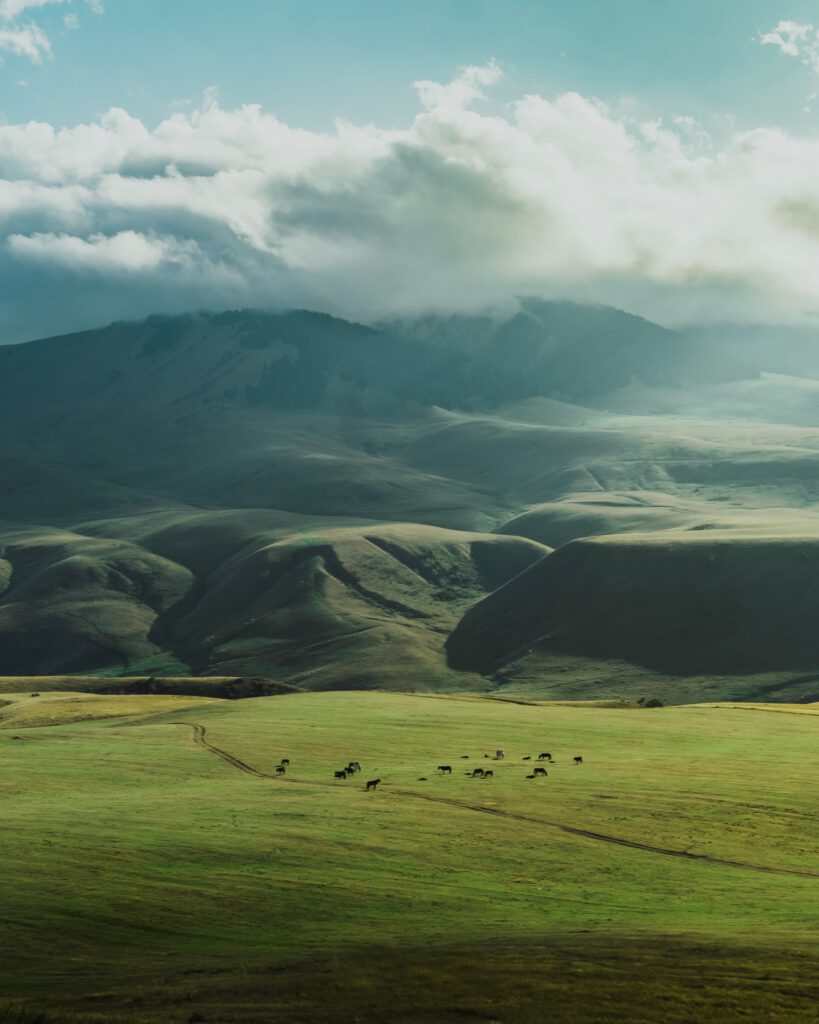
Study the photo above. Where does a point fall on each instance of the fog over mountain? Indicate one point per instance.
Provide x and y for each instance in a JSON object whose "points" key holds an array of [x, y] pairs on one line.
{"points": [[468, 205]]}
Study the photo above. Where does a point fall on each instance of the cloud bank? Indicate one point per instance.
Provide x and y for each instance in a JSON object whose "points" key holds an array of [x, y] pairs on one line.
{"points": [[466, 206]]}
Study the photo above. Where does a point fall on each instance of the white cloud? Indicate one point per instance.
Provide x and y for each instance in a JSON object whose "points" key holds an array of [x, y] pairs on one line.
{"points": [[127, 250], [25, 41], [465, 88], [29, 39], [10, 9], [458, 209], [795, 39]]}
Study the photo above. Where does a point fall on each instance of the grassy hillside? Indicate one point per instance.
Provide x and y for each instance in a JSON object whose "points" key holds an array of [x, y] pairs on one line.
{"points": [[314, 603], [187, 883], [696, 602], [298, 497]]}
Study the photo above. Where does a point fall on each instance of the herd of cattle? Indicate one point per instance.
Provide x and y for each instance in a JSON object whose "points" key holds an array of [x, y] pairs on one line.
{"points": [[353, 767]]}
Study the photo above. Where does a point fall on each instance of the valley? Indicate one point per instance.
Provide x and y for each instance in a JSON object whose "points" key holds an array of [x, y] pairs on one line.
{"points": [[441, 504]]}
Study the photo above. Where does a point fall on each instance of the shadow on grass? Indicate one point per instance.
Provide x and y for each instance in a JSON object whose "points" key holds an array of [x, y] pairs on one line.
{"points": [[577, 981]]}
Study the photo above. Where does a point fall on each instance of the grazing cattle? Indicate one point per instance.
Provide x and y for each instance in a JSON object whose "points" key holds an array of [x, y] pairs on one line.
{"points": [[541, 771], [285, 761], [530, 776], [544, 757], [578, 760], [280, 769], [499, 755], [527, 758], [35, 695], [341, 775], [354, 766], [486, 755], [423, 778], [464, 757], [477, 774], [445, 769], [372, 784], [489, 775]]}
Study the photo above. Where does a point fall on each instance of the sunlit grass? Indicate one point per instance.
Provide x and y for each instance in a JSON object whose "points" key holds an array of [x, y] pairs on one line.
{"points": [[135, 854]]}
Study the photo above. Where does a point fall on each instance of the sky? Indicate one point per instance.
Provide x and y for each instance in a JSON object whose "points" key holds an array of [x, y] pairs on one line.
{"points": [[374, 159]]}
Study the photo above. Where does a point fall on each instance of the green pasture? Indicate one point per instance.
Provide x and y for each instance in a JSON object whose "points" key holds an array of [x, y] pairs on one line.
{"points": [[130, 854]]}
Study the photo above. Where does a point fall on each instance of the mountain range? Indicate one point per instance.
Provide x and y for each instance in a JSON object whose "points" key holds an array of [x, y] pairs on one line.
{"points": [[447, 502]]}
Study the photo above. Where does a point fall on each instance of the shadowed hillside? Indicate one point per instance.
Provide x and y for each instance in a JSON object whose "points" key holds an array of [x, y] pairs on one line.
{"points": [[683, 603]]}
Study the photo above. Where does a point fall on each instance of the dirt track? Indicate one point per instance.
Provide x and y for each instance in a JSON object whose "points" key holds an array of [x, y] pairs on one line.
{"points": [[200, 738]]}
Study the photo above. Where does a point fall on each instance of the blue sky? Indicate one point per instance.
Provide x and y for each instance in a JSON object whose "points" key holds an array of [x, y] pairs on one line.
{"points": [[310, 61], [377, 158]]}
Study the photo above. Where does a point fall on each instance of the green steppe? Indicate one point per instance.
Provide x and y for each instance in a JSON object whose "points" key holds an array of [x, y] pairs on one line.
{"points": [[147, 877]]}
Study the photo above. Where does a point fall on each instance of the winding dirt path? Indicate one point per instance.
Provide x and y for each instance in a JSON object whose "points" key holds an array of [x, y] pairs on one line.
{"points": [[200, 738], [235, 762]]}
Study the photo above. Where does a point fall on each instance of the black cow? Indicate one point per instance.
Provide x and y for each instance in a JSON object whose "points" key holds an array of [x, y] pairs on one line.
{"points": [[285, 761], [341, 775], [354, 766], [280, 769], [372, 784], [445, 769], [423, 778], [541, 771], [527, 758], [477, 774], [530, 776], [578, 760], [464, 757], [488, 775], [544, 757]]}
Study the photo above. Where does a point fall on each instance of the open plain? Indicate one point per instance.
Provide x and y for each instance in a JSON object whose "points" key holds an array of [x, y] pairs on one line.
{"points": [[676, 867]]}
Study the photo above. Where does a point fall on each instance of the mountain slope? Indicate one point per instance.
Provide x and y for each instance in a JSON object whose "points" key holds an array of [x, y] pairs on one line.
{"points": [[679, 602], [293, 495], [322, 603]]}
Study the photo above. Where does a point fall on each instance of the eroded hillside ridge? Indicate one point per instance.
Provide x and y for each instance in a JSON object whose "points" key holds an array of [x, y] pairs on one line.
{"points": [[325, 604], [298, 496]]}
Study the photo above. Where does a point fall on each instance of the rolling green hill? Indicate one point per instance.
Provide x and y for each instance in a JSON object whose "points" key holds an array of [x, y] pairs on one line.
{"points": [[687, 603], [261, 593], [294, 496]]}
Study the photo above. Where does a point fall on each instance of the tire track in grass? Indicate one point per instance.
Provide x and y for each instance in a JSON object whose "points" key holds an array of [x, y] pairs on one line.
{"points": [[235, 762], [199, 735], [631, 844]]}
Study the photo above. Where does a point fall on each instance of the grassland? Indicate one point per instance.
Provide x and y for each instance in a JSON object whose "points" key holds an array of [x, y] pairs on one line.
{"points": [[154, 870]]}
